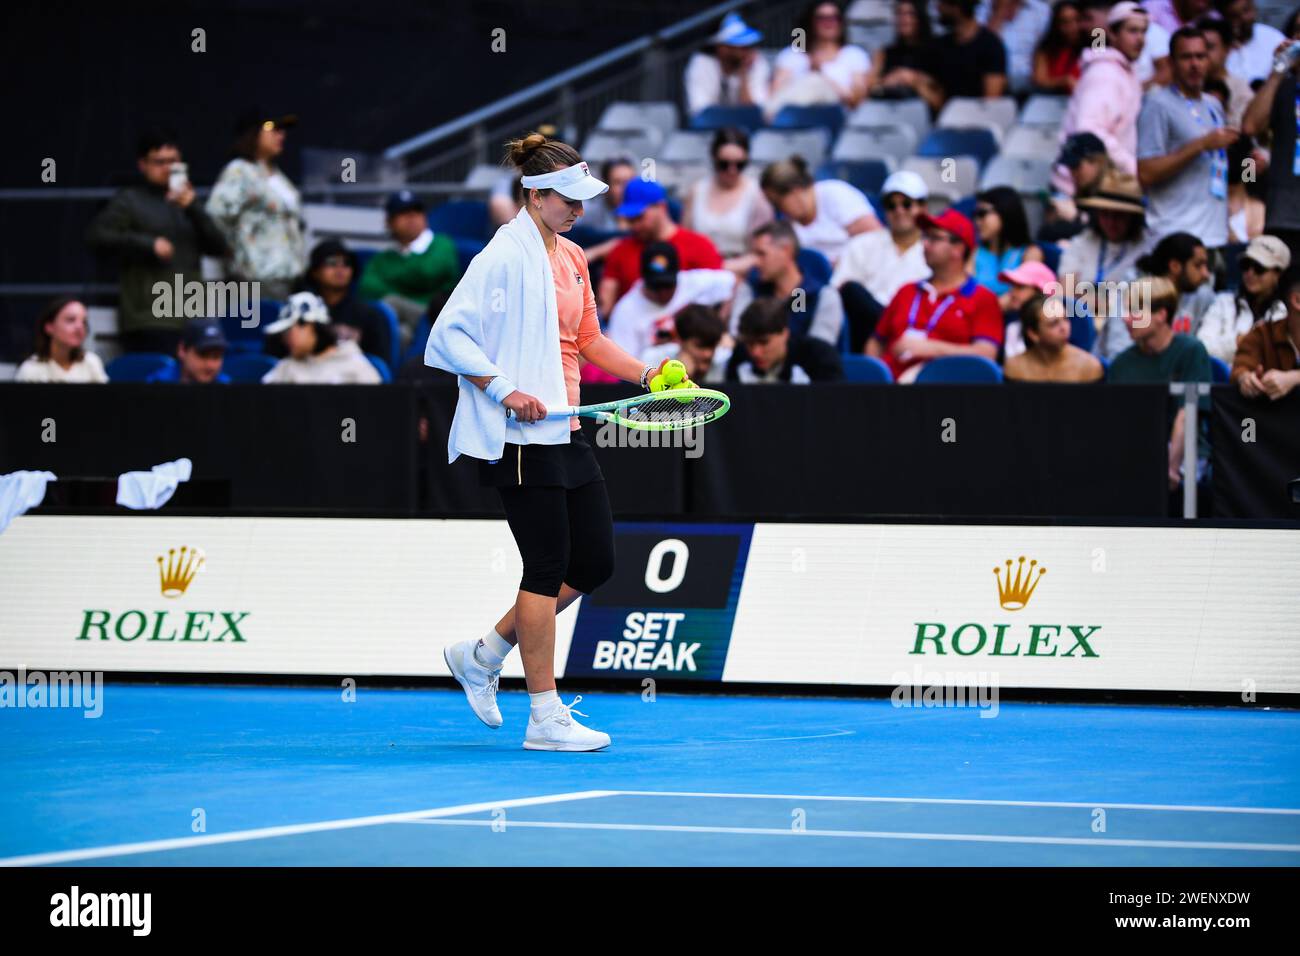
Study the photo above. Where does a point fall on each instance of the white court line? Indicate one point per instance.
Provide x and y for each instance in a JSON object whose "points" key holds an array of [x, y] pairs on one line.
{"points": [[263, 833], [986, 803], [761, 740], [878, 835]]}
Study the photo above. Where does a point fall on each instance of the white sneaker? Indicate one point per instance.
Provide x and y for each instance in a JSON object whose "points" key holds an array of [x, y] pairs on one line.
{"points": [[479, 681], [559, 731]]}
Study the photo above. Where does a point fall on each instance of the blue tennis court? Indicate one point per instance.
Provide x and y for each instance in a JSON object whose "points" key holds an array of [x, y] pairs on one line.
{"points": [[226, 776]]}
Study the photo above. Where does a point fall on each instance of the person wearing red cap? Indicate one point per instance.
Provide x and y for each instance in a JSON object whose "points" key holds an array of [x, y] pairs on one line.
{"points": [[948, 314]]}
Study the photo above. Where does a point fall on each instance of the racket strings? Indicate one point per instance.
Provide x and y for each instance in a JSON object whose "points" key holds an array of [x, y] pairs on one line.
{"points": [[672, 410]]}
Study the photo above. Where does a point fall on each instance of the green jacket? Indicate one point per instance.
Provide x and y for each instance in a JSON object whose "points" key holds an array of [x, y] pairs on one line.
{"points": [[416, 276], [127, 228]]}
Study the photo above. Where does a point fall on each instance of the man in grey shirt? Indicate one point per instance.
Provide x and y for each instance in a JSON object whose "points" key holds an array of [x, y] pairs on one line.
{"points": [[1182, 148]]}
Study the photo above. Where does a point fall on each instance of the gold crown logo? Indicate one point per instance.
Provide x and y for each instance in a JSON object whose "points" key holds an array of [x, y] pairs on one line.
{"points": [[175, 572], [1014, 593]]}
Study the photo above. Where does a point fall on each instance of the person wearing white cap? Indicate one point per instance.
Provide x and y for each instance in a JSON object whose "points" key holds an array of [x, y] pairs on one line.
{"points": [[1260, 298], [513, 331], [315, 353], [730, 71], [1108, 96], [875, 265]]}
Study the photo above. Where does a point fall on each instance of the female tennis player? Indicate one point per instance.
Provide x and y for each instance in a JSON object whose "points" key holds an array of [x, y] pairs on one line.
{"points": [[513, 330]]}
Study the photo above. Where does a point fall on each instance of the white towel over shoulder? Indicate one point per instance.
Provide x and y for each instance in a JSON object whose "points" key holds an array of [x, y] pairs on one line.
{"points": [[502, 320]]}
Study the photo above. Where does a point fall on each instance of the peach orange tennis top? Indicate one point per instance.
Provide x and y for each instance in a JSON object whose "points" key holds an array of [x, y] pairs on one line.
{"points": [[576, 303]]}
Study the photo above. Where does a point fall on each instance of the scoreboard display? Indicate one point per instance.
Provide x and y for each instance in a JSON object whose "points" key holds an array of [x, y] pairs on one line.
{"points": [[669, 607]]}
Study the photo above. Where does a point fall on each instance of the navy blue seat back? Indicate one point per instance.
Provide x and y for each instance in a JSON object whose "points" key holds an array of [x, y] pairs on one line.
{"points": [[944, 142], [748, 118], [137, 366]]}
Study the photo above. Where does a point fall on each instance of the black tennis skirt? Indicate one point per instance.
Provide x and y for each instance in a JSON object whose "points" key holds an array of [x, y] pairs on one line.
{"points": [[570, 465]]}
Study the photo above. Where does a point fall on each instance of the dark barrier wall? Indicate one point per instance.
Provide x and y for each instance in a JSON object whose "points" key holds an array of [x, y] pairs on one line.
{"points": [[938, 450], [817, 451], [282, 448], [851, 449], [1256, 453]]}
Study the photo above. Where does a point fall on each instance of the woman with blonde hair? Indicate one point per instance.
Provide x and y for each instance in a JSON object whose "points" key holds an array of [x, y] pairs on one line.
{"points": [[513, 331]]}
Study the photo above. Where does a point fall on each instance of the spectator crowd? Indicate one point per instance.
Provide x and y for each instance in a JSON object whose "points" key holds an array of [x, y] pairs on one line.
{"points": [[1167, 248]]}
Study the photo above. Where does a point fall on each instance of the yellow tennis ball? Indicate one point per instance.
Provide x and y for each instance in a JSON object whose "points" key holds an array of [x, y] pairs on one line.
{"points": [[684, 399], [674, 372], [657, 384]]}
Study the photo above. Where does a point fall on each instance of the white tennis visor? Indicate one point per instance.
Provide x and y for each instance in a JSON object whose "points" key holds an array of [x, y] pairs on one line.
{"points": [[573, 182]]}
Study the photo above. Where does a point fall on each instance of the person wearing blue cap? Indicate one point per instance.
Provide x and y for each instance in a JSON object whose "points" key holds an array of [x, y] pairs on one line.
{"points": [[417, 276], [199, 355], [730, 71], [645, 207]]}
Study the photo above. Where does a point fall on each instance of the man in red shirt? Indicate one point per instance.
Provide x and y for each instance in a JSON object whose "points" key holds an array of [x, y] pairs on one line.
{"points": [[948, 314], [645, 204]]}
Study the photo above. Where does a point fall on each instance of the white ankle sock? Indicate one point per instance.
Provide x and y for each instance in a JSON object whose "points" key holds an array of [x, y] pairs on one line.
{"points": [[544, 703], [492, 649]]}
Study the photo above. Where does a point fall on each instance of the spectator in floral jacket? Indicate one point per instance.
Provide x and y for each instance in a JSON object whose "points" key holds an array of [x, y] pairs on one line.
{"points": [[259, 209]]}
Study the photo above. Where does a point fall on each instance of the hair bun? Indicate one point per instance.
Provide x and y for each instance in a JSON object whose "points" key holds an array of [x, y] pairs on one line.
{"points": [[519, 150]]}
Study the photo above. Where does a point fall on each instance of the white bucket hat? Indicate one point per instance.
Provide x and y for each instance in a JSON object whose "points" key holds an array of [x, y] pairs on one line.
{"points": [[301, 307]]}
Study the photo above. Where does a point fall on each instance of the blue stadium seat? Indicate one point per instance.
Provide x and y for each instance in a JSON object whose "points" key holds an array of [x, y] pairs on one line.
{"points": [[866, 369], [586, 236], [867, 174], [747, 118], [385, 373], [364, 254], [1083, 331], [137, 366], [814, 265], [467, 249], [975, 142], [419, 340], [394, 333], [247, 366], [1051, 254], [960, 369], [965, 206], [828, 116], [461, 219], [243, 339], [1221, 371]]}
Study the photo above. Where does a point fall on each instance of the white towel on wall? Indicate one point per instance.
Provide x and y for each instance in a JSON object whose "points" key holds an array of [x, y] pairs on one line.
{"points": [[21, 490], [154, 488]]}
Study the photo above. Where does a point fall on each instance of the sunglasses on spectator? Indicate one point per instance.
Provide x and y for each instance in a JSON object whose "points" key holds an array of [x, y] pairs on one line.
{"points": [[893, 204], [982, 211], [940, 237], [722, 165], [335, 261], [1250, 265]]}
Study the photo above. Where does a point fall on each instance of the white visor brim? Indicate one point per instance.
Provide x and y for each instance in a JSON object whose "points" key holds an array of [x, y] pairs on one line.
{"points": [[573, 182]]}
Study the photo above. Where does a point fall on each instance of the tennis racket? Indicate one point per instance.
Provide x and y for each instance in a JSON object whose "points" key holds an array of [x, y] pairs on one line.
{"points": [[653, 411]]}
